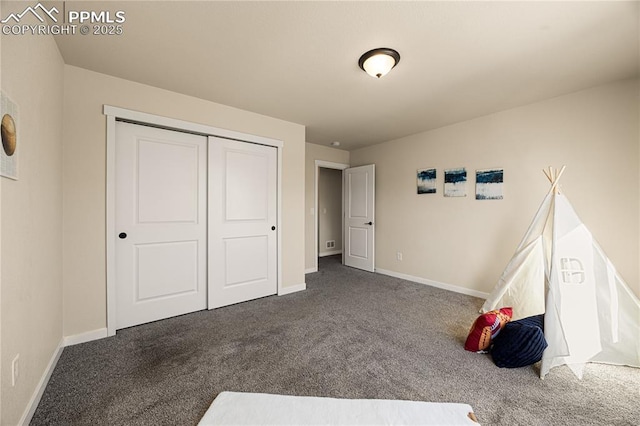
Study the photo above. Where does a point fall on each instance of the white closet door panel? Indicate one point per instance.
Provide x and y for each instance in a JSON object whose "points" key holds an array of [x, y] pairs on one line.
{"points": [[161, 252], [242, 221], [246, 190], [167, 182], [166, 269]]}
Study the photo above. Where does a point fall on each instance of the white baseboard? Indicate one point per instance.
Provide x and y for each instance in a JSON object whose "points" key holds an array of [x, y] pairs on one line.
{"points": [[432, 283], [311, 270], [292, 289], [329, 253], [85, 337], [42, 385]]}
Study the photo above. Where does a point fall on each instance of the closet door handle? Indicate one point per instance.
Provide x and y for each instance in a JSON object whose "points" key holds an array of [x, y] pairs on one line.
{"points": [[122, 235], [369, 223]]}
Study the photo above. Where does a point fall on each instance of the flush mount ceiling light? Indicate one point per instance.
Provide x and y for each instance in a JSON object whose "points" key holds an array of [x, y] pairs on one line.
{"points": [[378, 62]]}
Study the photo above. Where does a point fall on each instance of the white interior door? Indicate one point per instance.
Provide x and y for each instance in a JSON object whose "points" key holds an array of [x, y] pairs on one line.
{"points": [[161, 223], [242, 221], [359, 211]]}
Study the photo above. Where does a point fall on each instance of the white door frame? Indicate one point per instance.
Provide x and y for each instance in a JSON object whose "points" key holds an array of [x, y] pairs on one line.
{"points": [[325, 165], [115, 113]]}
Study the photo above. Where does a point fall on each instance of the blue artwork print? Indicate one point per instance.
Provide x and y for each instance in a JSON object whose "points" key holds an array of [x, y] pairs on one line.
{"points": [[489, 184], [455, 182], [427, 181]]}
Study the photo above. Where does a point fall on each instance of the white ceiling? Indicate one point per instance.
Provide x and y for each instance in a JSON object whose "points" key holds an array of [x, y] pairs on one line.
{"points": [[298, 60]]}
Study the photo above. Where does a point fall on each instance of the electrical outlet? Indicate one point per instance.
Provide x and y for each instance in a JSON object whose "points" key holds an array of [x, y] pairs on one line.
{"points": [[15, 370], [399, 256]]}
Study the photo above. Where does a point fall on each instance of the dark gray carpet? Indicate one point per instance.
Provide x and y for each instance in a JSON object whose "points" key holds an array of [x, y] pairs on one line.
{"points": [[351, 334]]}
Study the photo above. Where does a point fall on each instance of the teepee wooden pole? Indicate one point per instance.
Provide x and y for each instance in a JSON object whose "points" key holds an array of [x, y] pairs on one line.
{"points": [[555, 186], [554, 178]]}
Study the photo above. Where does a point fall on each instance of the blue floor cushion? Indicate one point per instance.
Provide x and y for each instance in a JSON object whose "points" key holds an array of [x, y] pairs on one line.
{"points": [[520, 343]]}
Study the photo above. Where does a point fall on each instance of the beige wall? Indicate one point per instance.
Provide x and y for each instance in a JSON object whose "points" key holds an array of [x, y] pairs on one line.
{"points": [[31, 264], [465, 242], [313, 153], [84, 180], [329, 209]]}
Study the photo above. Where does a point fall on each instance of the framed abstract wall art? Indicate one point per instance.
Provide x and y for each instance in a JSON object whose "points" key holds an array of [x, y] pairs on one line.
{"points": [[427, 181], [489, 184], [455, 182]]}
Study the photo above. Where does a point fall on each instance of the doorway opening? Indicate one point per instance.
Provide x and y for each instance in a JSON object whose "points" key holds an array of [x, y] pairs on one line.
{"points": [[329, 209]]}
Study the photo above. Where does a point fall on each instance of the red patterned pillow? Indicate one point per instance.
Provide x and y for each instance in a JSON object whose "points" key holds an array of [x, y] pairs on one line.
{"points": [[486, 327]]}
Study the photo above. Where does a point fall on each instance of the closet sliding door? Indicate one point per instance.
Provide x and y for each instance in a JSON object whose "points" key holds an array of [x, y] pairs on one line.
{"points": [[242, 212], [161, 224]]}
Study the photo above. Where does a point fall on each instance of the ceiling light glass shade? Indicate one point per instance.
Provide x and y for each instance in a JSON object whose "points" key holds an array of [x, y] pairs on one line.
{"points": [[378, 62]]}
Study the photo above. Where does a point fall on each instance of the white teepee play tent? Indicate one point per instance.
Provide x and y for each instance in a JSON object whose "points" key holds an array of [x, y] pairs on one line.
{"points": [[559, 270]]}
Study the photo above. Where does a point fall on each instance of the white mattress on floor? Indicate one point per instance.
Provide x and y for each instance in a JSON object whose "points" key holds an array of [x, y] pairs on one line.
{"points": [[235, 408]]}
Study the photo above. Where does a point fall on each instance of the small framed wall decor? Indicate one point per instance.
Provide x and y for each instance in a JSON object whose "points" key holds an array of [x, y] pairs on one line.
{"points": [[455, 182], [489, 184], [9, 134], [427, 181]]}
